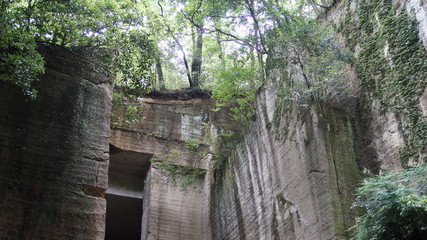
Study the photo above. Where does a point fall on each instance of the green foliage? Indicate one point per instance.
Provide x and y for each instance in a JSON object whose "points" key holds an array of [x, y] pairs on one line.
{"points": [[233, 90], [115, 25], [308, 63], [392, 64], [184, 175], [226, 143], [20, 63], [126, 109], [313, 50], [192, 145], [396, 206], [132, 60]]}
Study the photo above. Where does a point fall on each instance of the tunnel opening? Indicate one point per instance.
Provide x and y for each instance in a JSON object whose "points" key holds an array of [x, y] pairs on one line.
{"points": [[124, 215], [126, 176]]}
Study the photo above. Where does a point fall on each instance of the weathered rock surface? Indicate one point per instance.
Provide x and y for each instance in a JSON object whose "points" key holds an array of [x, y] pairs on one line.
{"points": [[54, 152], [292, 184], [391, 109], [294, 176], [171, 210], [423, 102], [419, 10], [167, 124]]}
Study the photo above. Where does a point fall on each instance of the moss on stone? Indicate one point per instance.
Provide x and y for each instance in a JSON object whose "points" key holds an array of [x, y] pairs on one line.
{"points": [[392, 65]]}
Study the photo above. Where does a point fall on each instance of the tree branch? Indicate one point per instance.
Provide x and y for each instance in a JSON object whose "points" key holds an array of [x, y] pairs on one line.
{"points": [[183, 56], [197, 9], [328, 7], [240, 40], [161, 8], [251, 9]]}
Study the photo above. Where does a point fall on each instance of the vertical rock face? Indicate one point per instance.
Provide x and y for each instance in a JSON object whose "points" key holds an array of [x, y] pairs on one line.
{"points": [[296, 184], [173, 209], [165, 126], [389, 41], [293, 176], [174, 212], [54, 152]]}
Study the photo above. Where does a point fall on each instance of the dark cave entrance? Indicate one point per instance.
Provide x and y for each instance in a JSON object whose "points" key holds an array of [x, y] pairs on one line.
{"points": [[126, 175], [124, 216]]}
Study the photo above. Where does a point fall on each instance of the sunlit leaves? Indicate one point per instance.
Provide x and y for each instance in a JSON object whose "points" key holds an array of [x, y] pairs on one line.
{"points": [[132, 60], [396, 205], [20, 63], [235, 88], [115, 25]]}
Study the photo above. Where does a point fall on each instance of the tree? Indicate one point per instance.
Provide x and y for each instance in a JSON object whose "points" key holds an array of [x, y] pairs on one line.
{"points": [[141, 36], [196, 64], [20, 63], [396, 206], [114, 25], [176, 26]]}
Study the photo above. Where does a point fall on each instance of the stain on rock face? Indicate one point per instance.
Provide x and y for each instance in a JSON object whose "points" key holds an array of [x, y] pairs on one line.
{"points": [[54, 153]]}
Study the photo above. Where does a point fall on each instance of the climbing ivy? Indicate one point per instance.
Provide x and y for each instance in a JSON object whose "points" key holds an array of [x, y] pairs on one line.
{"points": [[309, 63], [392, 65]]}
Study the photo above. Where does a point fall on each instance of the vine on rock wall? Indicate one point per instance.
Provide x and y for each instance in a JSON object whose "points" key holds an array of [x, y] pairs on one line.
{"points": [[392, 64], [308, 63], [187, 174]]}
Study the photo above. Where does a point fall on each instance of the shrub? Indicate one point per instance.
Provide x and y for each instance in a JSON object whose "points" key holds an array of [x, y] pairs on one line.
{"points": [[396, 206]]}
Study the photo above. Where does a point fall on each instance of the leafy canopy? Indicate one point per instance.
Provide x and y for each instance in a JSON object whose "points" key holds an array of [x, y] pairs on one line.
{"points": [[225, 42], [396, 206], [114, 25]]}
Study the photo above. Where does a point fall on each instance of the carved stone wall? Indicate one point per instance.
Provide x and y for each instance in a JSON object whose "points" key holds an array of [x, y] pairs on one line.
{"points": [[389, 41], [294, 183], [173, 209], [54, 152]]}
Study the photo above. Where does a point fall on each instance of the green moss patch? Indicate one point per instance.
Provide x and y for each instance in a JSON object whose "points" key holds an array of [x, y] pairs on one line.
{"points": [[392, 65]]}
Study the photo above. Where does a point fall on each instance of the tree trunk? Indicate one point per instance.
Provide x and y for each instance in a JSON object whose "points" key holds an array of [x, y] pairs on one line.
{"points": [[196, 64], [259, 38], [218, 40], [159, 70], [187, 68]]}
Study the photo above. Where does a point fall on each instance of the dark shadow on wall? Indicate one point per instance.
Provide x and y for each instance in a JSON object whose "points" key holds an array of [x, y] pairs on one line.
{"points": [[126, 176], [124, 215]]}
